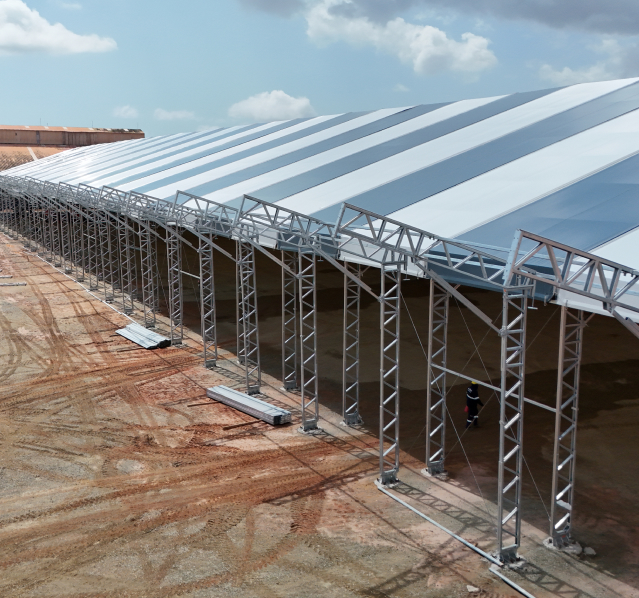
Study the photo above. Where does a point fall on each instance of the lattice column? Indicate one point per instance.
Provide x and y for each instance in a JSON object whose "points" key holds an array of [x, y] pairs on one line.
{"points": [[79, 223], [248, 338], [290, 337], [33, 225], [128, 267], [389, 374], [43, 226], [563, 479], [511, 423], [93, 247], [56, 249], [308, 340], [107, 254], [436, 388], [207, 300], [350, 364], [148, 262], [176, 295], [66, 240], [28, 231]]}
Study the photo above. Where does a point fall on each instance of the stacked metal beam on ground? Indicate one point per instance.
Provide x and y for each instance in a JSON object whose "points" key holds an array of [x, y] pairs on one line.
{"points": [[250, 405], [144, 337]]}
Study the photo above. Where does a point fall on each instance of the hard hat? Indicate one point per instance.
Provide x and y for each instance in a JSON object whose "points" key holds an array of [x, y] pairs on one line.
{"points": [[473, 382]]}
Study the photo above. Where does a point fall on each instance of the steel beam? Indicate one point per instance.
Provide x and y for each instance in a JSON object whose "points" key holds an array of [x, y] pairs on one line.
{"points": [[565, 450], [350, 366], [176, 295], [290, 340], [128, 265], [207, 302], [390, 295], [66, 240], [308, 340], [511, 423], [439, 301], [248, 337]]}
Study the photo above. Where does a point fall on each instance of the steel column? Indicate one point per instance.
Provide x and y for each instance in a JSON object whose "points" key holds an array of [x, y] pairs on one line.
{"points": [[350, 365], [248, 337], [308, 340], [67, 243], [563, 479], [108, 255], [436, 385], [511, 423], [54, 223], [128, 263], [389, 373], [290, 339], [93, 245], [148, 263], [78, 223], [176, 296], [207, 300]]}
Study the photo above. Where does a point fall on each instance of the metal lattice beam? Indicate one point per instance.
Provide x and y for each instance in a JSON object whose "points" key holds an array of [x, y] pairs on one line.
{"points": [[308, 341], [565, 449], [436, 410], [511, 423], [290, 338], [248, 338], [389, 373], [128, 267], [149, 272], [176, 295], [350, 376], [207, 302]]}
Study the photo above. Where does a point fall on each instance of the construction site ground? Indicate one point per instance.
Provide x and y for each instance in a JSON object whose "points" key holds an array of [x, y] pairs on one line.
{"points": [[118, 477]]}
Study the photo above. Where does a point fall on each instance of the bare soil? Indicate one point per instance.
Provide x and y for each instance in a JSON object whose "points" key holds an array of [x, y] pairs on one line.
{"points": [[118, 477]]}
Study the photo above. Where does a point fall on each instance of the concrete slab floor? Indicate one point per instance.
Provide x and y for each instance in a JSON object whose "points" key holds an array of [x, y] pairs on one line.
{"points": [[119, 478]]}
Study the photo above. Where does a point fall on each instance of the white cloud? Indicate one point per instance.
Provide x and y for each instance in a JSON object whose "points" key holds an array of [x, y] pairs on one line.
{"points": [[618, 61], [71, 5], [272, 105], [399, 88], [125, 112], [161, 114], [22, 29], [428, 49]]}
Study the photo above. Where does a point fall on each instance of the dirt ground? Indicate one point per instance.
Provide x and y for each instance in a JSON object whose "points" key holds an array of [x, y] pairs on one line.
{"points": [[118, 477]]}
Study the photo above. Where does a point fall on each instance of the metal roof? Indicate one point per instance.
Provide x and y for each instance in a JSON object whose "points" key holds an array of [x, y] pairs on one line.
{"points": [[560, 163]]}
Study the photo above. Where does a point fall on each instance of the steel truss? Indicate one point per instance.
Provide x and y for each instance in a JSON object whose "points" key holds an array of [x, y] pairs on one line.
{"points": [[308, 340], [350, 351], [149, 267], [290, 340], [176, 294], [390, 297], [511, 422], [248, 337], [128, 269], [436, 409], [207, 302], [563, 479]]}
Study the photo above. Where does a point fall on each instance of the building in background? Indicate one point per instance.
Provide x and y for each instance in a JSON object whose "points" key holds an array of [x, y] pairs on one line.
{"points": [[23, 143]]}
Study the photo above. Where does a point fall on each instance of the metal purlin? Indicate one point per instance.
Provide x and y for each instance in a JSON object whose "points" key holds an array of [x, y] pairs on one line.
{"points": [[148, 264], [565, 449], [207, 303], [176, 295], [439, 301], [290, 339], [248, 337], [389, 373], [308, 340], [351, 345], [511, 423]]}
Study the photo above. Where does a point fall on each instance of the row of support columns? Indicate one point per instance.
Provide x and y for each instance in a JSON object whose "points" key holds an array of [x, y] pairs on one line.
{"points": [[101, 245]]}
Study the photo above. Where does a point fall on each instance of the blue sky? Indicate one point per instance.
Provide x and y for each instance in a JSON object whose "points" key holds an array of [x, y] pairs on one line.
{"points": [[169, 67]]}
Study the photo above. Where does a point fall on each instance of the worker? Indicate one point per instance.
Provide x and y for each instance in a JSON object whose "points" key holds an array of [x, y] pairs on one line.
{"points": [[473, 402]]}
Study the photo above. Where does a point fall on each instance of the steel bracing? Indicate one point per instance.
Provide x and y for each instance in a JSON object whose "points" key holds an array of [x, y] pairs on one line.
{"points": [[350, 350], [308, 340], [248, 333], [207, 301], [567, 408], [290, 336], [390, 297], [176, 294], [436, 410], [511, 423]]}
